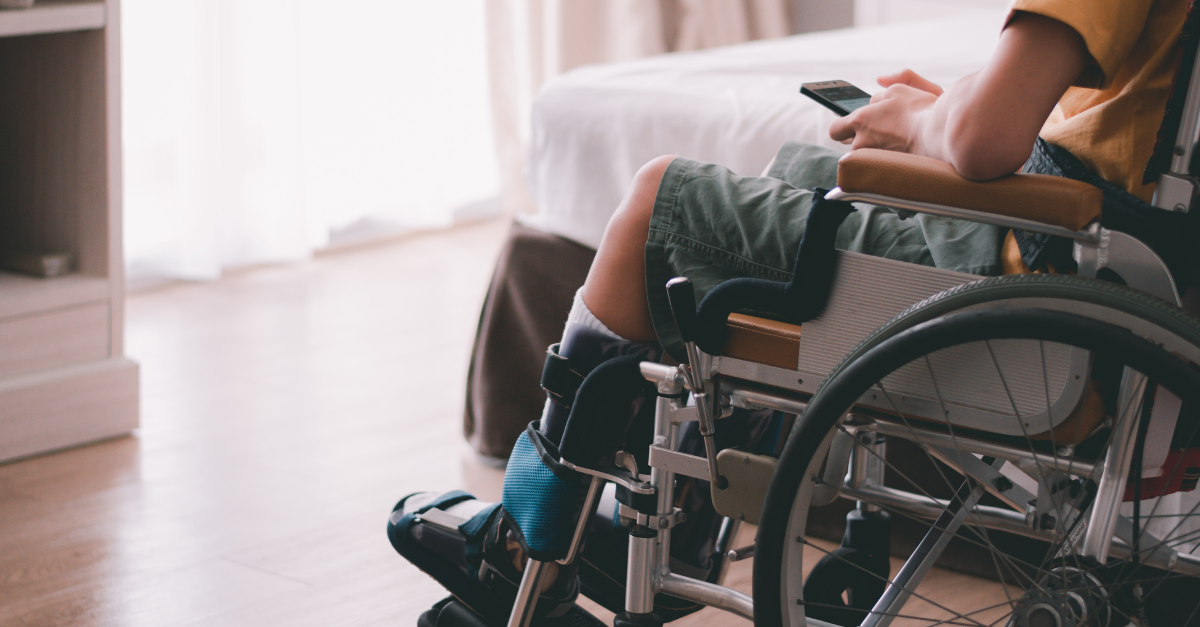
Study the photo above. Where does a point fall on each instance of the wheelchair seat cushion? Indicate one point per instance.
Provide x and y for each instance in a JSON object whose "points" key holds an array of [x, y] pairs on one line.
{"points": [[1051, 200]]}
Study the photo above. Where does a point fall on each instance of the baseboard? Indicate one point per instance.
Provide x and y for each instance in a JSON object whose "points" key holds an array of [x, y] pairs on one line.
{"points": [[67, 407]]}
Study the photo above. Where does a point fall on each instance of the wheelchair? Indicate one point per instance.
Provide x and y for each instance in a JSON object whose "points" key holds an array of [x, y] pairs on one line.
{"points": [[1039, 431]]}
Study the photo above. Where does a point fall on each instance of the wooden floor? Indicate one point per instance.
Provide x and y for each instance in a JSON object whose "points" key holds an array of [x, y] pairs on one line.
{"points": [[284, 412]]}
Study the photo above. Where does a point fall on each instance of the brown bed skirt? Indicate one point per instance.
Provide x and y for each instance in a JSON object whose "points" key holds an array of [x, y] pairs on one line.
{"points": [[527, 303]]}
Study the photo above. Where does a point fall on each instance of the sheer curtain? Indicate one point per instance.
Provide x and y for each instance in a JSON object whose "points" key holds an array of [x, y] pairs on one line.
{"points": [[531, 41], [257, 130]]}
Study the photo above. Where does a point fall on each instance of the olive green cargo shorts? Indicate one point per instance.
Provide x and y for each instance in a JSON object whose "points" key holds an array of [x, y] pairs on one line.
{"points": [[711, 225]]}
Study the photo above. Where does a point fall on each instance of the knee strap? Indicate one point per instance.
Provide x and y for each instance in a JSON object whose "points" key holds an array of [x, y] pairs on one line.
{"points": [[560, 377]]}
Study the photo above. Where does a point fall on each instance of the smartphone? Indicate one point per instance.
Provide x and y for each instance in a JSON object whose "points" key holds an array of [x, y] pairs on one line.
{"points": [[837, 96]]}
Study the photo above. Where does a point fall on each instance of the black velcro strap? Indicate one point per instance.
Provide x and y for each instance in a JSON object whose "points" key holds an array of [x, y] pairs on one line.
{"points": [[560, 378]]}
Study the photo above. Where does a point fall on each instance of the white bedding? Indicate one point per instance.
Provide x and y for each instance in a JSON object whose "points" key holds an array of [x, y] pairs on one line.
{"points": [[593, 128]]}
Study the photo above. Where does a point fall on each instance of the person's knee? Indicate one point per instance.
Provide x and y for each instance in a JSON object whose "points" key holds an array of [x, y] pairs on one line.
{"points": [[639, 202], [654, 169]]}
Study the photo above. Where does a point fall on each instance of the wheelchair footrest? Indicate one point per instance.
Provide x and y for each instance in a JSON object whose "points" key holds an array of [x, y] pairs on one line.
{"points": [[449, 612]]}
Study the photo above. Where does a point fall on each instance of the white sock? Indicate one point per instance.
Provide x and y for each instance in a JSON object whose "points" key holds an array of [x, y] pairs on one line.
{"points": [[580, 314]]}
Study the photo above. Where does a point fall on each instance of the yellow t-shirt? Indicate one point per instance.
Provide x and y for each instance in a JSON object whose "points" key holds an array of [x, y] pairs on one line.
{"points": [[1110, 118]]}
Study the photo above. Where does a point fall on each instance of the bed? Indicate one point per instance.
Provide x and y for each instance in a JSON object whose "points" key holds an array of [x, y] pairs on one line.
{"points": [[593, 127]]}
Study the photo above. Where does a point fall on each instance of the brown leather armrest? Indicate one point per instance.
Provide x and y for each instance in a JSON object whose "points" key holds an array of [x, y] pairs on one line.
{"points": [[762, 341], [1050, 200]]}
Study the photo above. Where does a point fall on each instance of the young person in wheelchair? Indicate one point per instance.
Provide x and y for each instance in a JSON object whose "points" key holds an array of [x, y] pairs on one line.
{"points": [[1075, 89]]}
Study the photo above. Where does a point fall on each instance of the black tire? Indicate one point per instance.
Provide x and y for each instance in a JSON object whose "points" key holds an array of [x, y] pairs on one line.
{"points": [[926, 329]]}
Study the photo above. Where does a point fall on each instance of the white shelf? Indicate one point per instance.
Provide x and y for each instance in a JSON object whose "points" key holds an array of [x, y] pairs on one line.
{"points": [[23, 295], [53, 16]]}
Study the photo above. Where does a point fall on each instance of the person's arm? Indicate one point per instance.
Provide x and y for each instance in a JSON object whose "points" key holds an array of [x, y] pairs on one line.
{"points": [[985, 125]]}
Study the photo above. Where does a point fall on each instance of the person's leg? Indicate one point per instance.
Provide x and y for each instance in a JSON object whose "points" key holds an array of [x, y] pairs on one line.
{"points": [[609, 316], [615, 290]]}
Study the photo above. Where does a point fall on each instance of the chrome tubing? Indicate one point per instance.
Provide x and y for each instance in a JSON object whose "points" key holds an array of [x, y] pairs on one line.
{"points": [[1103, 519], [922, 559], [585, 515], [666, 434], [866, 465], [705, 407], [765, 396], [893, 427], [725, 538], [923, 507], [1001, 519], [640, 575], [527, 594], [662, 375], [709, 594]]}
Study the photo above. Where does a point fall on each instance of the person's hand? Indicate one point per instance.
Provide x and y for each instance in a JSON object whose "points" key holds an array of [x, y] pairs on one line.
{"points": [[910, 78], [894, 118]]}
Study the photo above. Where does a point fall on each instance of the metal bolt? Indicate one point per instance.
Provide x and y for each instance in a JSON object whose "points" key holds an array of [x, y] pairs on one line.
{"points": [[741, 517], [1048, 521], [745, 460], [1180, 208]]}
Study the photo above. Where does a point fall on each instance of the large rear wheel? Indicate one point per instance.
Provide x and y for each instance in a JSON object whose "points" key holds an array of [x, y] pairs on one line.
{"points": [[1014, 508]]}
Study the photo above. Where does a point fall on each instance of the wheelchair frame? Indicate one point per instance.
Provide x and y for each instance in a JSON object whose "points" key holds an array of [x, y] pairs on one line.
{"points": [[719, 383]]}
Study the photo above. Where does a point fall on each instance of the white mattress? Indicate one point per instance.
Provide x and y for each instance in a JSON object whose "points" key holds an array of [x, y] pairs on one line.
{"points": [[593, 128]]}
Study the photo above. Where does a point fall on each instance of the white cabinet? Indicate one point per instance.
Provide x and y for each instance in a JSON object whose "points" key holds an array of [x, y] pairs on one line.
{"points": [[64, 379]]}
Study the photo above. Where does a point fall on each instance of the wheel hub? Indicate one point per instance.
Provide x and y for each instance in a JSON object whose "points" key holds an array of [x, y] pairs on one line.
{"points": [[1043, 609], [1067, 596]]}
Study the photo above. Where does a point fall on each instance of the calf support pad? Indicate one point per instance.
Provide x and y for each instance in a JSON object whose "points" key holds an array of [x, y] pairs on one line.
{"points": [[541, 497], [603, 410]]}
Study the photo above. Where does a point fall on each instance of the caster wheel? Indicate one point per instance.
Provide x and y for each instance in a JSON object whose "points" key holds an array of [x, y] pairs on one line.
{"points": [[842, 588]]}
